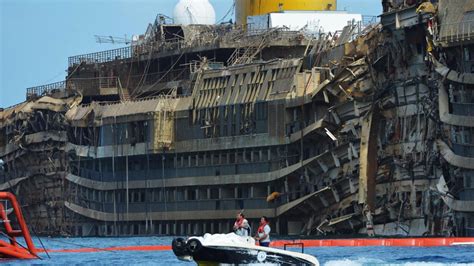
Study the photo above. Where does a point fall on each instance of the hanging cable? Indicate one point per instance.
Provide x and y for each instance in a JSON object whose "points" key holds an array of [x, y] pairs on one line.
{"points": [[41, 242], [231, 9], [162, 77]]}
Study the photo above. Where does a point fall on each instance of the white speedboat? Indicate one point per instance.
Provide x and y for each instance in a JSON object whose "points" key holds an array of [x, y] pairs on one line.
{"points": [[225, 249]]}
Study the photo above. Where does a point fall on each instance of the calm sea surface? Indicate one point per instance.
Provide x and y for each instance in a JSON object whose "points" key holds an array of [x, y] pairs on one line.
{"points": [[331, 256]]}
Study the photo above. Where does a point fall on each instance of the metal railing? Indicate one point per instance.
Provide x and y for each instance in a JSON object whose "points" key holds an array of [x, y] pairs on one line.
{"points": [[101, 57], [455, 32], [78, 84], [369, 20], [45, 89], [209, 40], [92, 85]]}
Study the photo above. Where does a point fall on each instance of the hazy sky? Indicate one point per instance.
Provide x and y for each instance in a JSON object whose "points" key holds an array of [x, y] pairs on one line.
{"points": [[37, 36]]}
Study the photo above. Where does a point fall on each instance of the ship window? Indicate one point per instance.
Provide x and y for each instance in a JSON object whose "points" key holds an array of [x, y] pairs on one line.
{"points": [[191, 194], [158, 195], [3, 137], [134, 229], [214, 193], [170, 195], [239, 157], [468, 181], [152, 195], [107, 197], [247, 156], [239, 193], [119, 197], [469, 223], [179, 195], [419, 198]]}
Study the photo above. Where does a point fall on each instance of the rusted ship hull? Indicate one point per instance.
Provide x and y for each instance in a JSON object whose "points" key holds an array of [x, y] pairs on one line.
{"points": [[366, 131]]}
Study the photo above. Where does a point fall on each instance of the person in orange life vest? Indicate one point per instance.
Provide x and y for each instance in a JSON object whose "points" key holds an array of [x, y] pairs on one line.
{"points": [[263, 232], [241, 225]]}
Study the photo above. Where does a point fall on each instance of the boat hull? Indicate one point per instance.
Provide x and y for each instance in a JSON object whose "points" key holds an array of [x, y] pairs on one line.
{"points": [[238, 256], [234, 250]]}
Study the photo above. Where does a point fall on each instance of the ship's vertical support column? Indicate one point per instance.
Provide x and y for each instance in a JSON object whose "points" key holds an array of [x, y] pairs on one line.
{"points": [[114, 138], [368, 160], [196, 230], [277, 226], [126, 187]]}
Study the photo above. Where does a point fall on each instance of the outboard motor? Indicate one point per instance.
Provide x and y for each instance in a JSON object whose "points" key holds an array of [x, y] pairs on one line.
{"points": [[179, 247], [193, 246]]}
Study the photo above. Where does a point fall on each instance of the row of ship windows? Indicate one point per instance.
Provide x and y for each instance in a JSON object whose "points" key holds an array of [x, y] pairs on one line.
{"points": [[190, 160], [172, 194], [461, 93], [158, 227], [106, 135]]}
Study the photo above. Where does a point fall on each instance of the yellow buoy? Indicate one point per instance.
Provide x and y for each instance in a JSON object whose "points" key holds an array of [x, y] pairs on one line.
{"points": [[245, 8]]}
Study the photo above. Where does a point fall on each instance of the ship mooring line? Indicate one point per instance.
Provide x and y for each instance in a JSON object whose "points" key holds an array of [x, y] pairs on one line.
{"points": [[41, 242], [19, 244]]}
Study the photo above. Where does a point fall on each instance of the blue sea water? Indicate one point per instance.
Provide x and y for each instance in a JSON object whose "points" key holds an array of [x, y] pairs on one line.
{"points": [[330, 256]]}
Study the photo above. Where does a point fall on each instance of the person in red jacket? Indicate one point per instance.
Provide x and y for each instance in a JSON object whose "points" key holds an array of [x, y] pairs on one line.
{"points": [[263, 232], [241, 225]]}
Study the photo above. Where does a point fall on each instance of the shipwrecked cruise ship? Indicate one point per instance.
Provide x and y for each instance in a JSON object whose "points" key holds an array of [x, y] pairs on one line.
{"points": [[325, 132]]}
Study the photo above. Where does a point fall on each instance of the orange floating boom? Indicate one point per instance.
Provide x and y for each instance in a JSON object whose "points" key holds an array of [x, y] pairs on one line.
{"points": [[361, 242], [384, 242]]}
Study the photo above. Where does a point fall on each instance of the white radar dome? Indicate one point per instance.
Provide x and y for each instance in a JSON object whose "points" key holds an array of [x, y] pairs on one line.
{"points": [[188, 12]]}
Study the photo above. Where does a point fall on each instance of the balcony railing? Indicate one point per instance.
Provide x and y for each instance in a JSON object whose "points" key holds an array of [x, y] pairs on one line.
{"points": [[456, 32], [45, 89], [84, 85], [101, 57]]}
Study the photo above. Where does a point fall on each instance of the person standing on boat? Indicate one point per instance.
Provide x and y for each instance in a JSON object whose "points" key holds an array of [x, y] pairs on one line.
{"points": [[263, 232], [241, 225]]}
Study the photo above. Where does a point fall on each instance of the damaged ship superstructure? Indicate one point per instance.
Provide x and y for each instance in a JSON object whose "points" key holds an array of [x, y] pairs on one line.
{"points": [[322, 133]]}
